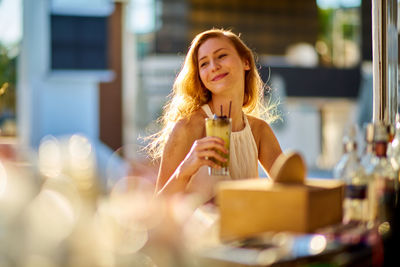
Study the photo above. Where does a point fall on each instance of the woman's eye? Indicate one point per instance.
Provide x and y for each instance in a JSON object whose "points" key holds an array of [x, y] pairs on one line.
{"points": [[222, 55], [203, 64]]}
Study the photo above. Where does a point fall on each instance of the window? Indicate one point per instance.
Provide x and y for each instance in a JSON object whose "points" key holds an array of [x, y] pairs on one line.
{"points": [[78, 42]]}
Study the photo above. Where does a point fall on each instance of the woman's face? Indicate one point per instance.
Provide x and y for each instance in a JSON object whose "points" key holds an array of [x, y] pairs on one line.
{"points": [[221, 68]]}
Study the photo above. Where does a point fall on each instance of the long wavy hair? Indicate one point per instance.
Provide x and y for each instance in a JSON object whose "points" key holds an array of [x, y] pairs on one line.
{"points": [[189, 93]]}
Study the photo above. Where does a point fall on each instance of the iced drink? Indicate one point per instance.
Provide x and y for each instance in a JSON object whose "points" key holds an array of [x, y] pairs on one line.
{"points": [[220, 127]]}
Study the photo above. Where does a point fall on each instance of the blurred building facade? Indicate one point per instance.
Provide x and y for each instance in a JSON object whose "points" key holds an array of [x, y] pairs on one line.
{"points": [[268, 27], [64, 58]]}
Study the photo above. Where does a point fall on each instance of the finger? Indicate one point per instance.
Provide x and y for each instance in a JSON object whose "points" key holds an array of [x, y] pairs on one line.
{"points": [[212, 164], [213, 139], [210, 144], [212, 154]]}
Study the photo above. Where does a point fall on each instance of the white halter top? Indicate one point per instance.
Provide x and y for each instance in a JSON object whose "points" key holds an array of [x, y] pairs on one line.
{"points": [[243, 161]]}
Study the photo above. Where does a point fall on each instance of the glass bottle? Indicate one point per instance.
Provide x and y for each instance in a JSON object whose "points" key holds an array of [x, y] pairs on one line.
{"points": [[394, 156], [391, 132], [394, 148], [368, 153], [349, 158], [383, 180], [350, 171]]}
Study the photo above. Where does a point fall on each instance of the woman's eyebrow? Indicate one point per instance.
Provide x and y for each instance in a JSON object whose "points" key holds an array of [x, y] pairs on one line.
{"points": [[216, 51]]}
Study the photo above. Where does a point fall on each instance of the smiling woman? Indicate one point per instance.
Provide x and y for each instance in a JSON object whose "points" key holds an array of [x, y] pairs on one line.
{"points": [[220, 67], [219, 73]]}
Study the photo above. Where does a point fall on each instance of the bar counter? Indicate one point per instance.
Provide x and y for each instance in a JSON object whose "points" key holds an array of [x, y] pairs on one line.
{"points": [[337, 245]]}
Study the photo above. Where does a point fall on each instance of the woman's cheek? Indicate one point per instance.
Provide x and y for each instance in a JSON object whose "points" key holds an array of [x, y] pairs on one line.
{"points": [[203, 77]]}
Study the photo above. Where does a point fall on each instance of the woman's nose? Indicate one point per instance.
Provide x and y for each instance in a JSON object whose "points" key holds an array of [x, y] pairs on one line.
{"points": [[215, 65]]}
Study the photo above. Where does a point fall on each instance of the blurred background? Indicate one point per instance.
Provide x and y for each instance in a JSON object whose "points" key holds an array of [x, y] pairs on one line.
{"points": [[104, 68], [83, 81]]}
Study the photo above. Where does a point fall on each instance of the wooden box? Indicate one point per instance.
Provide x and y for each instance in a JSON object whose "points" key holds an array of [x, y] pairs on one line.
{"points": [[250, 207]]}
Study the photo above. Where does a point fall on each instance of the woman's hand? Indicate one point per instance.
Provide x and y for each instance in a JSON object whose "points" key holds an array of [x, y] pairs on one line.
{"points": [[200, 154], [185, 151]]}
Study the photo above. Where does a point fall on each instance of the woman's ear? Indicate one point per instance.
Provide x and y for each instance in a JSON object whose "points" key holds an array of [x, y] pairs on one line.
{"points": [[246, 64]]}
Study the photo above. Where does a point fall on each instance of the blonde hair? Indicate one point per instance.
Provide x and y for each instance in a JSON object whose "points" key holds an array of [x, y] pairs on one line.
{"points": [[189, 93]]}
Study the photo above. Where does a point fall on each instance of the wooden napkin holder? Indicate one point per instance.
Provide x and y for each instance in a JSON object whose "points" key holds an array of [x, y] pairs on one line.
{"points": [[286, 203]]}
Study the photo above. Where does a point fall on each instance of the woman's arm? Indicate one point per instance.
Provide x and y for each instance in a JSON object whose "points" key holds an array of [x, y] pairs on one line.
{"points": [[184, 153], [268, 146]]}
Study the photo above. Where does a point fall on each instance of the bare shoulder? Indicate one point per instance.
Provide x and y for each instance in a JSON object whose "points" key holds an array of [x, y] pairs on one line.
{"points": [[262, 131], [188, 129], [267, 143], [258, 126]]}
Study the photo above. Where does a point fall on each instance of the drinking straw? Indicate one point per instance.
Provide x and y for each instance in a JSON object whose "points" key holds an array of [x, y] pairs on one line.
{"points": [[221, 110], [230, 104]]}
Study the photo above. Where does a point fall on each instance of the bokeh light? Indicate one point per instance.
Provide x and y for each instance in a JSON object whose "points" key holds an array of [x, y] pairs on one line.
{"points": [[3, 179], [50, 159], [317, 244]]}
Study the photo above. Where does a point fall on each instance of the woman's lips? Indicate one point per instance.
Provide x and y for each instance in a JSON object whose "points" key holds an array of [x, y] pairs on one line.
{"points": [[219, 77]]}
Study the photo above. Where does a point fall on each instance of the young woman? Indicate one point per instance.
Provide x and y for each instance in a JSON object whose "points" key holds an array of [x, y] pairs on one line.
{"points": [[218, 69]]}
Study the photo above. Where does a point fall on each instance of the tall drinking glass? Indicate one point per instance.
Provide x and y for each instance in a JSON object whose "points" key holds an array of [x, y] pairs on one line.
{"points": [[220, 127]]}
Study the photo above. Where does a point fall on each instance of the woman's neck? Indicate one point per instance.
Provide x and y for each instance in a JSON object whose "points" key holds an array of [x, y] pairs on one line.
{"points": [[235, 112]]}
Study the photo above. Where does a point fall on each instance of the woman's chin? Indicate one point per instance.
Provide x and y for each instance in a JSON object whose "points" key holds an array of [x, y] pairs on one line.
{"points": [[219, 90]]}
